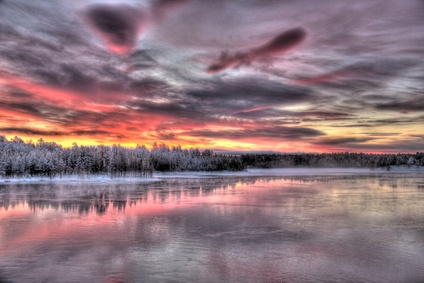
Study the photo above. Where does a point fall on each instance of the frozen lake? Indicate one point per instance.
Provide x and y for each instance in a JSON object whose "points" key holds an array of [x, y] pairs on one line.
{"points": [[223, 228]]}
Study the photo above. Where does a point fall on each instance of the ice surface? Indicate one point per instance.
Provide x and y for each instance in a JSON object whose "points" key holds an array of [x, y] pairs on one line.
{"points": [[247, 173]]}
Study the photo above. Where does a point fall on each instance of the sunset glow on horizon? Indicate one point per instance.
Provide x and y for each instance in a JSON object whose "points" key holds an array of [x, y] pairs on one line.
{"points": [[236, 76]]}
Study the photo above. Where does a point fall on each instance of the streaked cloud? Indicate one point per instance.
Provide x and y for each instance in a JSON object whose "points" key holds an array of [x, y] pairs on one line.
{"points": [[292, 75]]}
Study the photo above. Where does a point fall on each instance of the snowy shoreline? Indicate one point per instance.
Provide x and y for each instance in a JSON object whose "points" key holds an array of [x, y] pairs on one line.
{"points": [[274, 172], [74, 179], [286, 172]]}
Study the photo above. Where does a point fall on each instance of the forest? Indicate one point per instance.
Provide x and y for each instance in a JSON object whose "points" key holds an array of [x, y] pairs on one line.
{"points": [[28, 159]]}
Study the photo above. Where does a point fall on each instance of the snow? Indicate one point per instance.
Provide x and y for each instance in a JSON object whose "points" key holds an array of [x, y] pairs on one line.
{"points": [[77, 179], [275, 172]]}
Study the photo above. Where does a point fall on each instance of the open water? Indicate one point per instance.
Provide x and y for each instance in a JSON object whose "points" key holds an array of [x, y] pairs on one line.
{"points": [[224, 229]]}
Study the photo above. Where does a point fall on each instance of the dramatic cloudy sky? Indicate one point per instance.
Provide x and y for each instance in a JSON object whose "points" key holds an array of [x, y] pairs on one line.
{"points": [[238, 75]]}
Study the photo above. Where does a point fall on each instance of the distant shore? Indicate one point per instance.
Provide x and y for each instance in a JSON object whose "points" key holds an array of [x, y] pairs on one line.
{"points": [[158, 176]]}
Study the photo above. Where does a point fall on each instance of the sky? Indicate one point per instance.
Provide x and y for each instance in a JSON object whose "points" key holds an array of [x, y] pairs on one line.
{"points": [[229, 75]]}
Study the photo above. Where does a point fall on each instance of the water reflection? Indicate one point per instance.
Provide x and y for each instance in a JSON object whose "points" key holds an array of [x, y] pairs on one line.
{"points": [[232, 229], [86, 198], [89, 197]]}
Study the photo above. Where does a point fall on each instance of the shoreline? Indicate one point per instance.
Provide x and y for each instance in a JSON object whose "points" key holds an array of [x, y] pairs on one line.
{"points": [[73, 179], [273, 172]]}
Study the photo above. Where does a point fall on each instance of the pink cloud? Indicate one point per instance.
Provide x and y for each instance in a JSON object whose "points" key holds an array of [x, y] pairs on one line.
{"points": [[263, 107], [327, 77]]}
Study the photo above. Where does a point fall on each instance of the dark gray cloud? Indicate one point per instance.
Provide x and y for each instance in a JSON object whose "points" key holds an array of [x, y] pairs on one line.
{"points": [[393, 146], [375, 123], [173, 110], [379, 71], [274, 133], [398, 120], [32, 132], [342, 141], [117, 25], [382, 134], [35, 133], [280, 44], [150, 88], [405, 106], [223, 99], [358, 125], [239, 94], [306, 116], [21, 107], [141, 60], [60, 115]]}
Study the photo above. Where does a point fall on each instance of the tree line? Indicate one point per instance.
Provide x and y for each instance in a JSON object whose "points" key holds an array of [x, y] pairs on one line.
{"points": [[333, 160], [28, 159]]}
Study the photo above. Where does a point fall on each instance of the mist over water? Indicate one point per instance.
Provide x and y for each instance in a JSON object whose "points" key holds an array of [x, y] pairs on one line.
{"points": [[223, 229]]}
